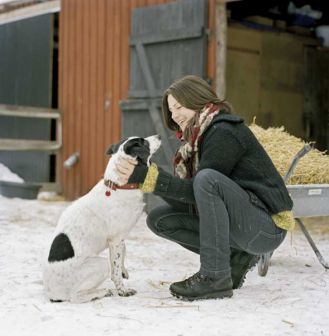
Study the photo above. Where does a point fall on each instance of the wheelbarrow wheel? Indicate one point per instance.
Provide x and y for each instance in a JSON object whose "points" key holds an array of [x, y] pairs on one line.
{"points": [[264, 263]]}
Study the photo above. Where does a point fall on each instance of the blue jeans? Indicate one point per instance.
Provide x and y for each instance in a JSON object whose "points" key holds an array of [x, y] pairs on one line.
{"points": [[227, 216]]}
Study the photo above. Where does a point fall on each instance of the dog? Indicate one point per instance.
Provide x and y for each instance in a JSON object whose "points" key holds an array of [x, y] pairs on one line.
{"points": [[102, 219]]}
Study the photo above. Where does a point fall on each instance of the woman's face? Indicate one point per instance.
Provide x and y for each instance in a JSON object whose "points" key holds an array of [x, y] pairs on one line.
{"points": [[180, 114]]}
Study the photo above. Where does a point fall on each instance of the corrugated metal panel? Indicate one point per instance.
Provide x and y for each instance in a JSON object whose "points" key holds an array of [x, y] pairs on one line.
{"points": [[93, 78]]}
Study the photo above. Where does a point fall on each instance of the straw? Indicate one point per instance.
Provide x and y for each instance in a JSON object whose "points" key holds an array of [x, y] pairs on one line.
{"points": [[282, 147]]}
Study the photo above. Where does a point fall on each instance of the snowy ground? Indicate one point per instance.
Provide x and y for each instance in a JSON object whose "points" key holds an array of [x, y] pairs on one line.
{"points": [[293, 299]]}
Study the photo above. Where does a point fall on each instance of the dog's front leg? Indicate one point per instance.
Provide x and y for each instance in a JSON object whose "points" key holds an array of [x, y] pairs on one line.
{"points": [[116, 255], [125, 273]]}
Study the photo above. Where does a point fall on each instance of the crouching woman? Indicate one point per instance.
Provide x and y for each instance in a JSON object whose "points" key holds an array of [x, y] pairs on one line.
{"points": [[226, 201]]}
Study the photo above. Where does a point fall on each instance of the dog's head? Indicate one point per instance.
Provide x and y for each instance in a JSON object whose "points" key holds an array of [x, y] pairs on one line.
{"points": [[135, 147], [138, 148]]}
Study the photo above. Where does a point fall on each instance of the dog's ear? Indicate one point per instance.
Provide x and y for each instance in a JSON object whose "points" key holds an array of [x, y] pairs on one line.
{"points": [[114, 147], [111, 150]]}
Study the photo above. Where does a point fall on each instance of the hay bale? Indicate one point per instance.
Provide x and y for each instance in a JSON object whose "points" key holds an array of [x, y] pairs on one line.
{"points": [[282, 147]]}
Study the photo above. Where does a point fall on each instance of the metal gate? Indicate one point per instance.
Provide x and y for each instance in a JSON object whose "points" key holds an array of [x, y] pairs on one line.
{"points": [[167, 42]]}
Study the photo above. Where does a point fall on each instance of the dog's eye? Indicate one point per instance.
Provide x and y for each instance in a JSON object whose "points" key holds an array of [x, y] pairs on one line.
{"points": [[139, 143]]}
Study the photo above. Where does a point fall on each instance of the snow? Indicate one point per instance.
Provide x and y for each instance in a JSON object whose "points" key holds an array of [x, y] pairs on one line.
{"points": [[7, 175], [5, 1], [293, 299]]}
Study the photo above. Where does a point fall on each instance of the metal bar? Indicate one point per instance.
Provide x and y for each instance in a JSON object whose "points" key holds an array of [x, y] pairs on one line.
{"points": [[311, 242], [307, 147]]}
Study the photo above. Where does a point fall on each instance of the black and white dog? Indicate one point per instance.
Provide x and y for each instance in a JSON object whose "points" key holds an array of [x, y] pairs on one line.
{"points": [[73, 269]]}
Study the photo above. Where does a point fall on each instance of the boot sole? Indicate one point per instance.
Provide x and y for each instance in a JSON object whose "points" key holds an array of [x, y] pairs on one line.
{"points": [[249, 268], [218, 295]]}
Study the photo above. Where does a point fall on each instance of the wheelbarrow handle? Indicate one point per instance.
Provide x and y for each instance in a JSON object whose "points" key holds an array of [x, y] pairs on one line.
{"points": [[264, 261], [307, 147], [311, 242]]}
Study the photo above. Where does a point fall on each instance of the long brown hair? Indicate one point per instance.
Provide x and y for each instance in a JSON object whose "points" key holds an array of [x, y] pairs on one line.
{"points": [[193, 93]]}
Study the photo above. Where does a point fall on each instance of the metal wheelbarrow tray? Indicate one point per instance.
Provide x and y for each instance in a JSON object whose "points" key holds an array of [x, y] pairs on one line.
{"points": [[310, 200]]}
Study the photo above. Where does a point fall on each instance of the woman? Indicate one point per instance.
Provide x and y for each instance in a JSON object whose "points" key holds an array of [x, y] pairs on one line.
{"points": [[226, 200]]}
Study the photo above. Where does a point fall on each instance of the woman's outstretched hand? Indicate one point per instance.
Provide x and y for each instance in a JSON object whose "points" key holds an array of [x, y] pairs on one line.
{"points": [[125, 168]]}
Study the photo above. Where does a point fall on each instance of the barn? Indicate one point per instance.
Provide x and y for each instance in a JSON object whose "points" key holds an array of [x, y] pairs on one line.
{"points": [[88, 72]]}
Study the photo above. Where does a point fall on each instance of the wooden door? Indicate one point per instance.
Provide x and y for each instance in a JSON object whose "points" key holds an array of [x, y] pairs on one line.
{"points": [[167, 42]]}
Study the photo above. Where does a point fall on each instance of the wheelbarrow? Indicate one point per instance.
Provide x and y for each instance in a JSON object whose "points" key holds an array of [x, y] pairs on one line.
{"points": [[310, 200]]}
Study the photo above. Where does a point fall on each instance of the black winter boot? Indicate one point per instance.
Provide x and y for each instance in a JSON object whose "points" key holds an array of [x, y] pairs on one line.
{"points": [[200, 287], [241, 263]]}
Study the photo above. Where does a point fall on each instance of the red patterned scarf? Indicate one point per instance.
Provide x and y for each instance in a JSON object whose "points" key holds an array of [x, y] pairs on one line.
{"points": [[186, 161]]}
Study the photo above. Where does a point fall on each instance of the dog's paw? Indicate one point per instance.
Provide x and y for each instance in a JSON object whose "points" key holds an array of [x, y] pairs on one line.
{"points": [[125, 273], [126, 292], [109, 293]]}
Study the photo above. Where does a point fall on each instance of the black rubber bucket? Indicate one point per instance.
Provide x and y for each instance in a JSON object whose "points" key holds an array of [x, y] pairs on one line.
{"points": [[26, 190]]}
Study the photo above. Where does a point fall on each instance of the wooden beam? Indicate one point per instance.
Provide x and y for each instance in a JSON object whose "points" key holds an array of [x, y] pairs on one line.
{"points": [[143, 61], [143, 93], [221, 45], [30, 11], [32, 112], [29, 145], [158, 125], [167, 36], [29, 112]]}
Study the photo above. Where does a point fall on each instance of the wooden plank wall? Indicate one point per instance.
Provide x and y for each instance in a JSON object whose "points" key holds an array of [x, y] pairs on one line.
{"points": [[93, 78], [265, 77], [26, 79]]}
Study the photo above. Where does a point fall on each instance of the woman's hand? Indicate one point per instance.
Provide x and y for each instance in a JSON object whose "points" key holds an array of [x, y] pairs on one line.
{"points": [[125, 168]]}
